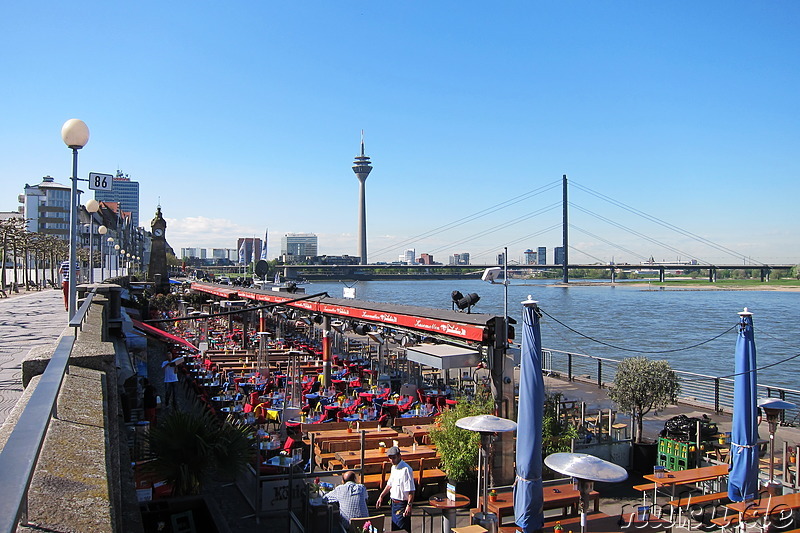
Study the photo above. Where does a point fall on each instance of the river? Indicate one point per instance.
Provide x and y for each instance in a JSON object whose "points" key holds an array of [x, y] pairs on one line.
{"points": [[626, 316]]}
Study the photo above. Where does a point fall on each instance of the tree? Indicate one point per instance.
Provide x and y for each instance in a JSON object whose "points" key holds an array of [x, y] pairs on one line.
{"points": [[459, 447], [641, 385]]}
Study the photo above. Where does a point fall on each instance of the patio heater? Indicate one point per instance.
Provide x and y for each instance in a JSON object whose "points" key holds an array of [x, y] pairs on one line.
{"points": [[585, 469], [488, 426], [263, 353], [773, 408]]}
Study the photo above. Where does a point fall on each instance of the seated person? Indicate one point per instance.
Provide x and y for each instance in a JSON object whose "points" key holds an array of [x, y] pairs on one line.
{"points": [[352, 498]]}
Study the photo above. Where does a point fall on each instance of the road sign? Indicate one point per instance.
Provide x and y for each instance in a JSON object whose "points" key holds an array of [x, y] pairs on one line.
{"points": [[100, 182]]}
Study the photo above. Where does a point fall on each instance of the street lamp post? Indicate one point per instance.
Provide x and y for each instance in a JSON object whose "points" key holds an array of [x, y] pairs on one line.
{"points": [[116, 262], [92, 207], [75, 135], [102, 230]]}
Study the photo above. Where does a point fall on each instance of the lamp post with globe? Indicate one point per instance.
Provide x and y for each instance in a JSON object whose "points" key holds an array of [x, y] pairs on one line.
{"points": [[92, 207], [116, 262], [102, 230], [75, 135]]}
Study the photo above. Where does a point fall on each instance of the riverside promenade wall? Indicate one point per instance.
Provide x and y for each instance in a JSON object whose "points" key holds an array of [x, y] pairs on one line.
{"points": [[82, 480]]}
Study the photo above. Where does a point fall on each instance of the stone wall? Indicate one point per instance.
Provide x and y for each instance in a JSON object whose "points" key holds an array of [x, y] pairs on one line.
{"points": [[82, 480]]}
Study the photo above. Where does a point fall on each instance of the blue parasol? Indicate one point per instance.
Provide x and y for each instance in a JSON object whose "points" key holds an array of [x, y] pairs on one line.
{"points": [[528, 496], [743, 477]]}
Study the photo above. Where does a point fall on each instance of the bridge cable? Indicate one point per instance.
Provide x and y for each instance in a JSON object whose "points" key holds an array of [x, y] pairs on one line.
{"points": [[471, 217], [633, 349], [663, 223], [505, 224], [524, 238], [637, 233], [617, 246]]}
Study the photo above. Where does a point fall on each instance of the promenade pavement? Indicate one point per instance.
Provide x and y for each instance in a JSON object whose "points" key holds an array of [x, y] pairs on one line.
{"points": [[27, 319]]}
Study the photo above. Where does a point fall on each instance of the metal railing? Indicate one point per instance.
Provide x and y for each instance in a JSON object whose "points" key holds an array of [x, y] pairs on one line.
{"points": [[712, 392], [21, 451]]}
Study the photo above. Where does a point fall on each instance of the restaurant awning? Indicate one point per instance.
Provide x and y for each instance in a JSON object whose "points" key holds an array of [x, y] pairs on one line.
{"points": [[163, 335], [443, 356]]}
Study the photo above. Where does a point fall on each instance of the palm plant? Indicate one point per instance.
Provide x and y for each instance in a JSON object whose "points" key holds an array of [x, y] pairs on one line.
{"points": [[190, 445]]}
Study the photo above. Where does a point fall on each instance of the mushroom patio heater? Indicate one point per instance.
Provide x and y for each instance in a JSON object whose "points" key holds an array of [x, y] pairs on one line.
{"points": [[586, 469], [487, 426], [773, 408]]}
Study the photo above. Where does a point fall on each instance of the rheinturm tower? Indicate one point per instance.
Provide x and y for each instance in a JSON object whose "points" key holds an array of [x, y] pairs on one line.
{"points": [[362, 168]]}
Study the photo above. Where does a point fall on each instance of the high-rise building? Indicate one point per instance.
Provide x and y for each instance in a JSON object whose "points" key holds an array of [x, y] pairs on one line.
{"points": [[409, 257], [541, 255], [301, 244], [249, 250], [501, 258], [126, 192], [558, 252], [362, 168], [460, 259], [425, 259], [46, 207], [530, 257], [220, 253]]}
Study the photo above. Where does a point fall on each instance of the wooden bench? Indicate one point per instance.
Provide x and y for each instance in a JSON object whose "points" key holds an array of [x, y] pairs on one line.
{"points": [[375, 475], [697, 499]]}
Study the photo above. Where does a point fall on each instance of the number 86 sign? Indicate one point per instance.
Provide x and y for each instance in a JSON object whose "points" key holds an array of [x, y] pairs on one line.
{"points": [[100, 182]]}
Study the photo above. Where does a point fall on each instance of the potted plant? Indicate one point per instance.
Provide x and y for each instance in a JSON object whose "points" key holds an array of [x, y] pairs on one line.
{"points": [[641, 385], [459, 448], [192, 444]]}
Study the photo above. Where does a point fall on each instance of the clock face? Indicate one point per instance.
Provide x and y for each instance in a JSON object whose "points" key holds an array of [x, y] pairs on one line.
{"points": [[158, 233]]}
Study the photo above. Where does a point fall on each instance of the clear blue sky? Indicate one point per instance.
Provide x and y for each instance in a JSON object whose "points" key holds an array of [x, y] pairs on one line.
{"points": [[242, 116]]}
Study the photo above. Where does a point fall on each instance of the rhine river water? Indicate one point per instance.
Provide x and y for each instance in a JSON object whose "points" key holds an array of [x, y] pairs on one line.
{"points": [[628, 317]]}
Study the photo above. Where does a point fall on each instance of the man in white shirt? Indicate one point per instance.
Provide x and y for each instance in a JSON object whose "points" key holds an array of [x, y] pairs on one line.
{"points": [[400, 488], [170, 378]]}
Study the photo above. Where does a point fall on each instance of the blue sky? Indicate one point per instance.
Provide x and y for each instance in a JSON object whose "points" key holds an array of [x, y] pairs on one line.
{"points": [[242, 116]]}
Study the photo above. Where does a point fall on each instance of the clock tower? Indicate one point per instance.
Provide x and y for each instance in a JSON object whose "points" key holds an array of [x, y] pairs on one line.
{"points": [[158, 270]]}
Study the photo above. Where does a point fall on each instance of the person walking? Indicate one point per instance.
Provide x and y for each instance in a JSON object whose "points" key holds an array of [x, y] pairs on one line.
{"points": [[170, 378], [352, 498], [63, 269], [400, 487]]}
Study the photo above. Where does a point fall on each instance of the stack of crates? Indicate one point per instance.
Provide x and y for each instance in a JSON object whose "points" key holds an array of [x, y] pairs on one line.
{"points": [[673, 454]]}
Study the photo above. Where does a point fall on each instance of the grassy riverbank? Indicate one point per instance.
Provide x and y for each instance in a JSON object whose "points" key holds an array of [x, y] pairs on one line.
{"points": [[725, 284]]}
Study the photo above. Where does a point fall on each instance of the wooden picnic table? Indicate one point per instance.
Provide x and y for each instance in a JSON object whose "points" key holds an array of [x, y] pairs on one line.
{"points": [[563, 496], [686, 477], [418, 431], [352, 459], [342, 434], [766, 505]]}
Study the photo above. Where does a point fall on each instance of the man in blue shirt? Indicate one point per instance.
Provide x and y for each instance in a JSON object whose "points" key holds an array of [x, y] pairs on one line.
{"points": [[352, 498]]}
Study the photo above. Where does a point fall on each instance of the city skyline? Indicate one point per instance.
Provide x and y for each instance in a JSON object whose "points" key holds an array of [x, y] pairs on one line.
{"points": [[234, 122]]}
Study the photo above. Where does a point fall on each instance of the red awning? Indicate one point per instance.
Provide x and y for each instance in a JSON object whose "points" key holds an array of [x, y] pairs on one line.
{"points": [[163, 335]]}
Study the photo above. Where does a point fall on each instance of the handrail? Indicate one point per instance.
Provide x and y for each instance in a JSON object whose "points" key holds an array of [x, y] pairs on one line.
{"points": [[712, 391], [80, 315], [21, 452]]}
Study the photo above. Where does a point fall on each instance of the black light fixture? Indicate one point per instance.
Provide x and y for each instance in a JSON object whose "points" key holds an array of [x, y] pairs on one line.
{"points": [[361, 329], [318, 319], [465, 302], [456, 296]]}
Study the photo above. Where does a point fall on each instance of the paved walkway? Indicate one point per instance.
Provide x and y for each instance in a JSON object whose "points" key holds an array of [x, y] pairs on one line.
{"points": [[27, 320]]}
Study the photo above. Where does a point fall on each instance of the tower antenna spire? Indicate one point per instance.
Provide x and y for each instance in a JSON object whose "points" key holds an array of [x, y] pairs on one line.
{"points": [[362, 167]]}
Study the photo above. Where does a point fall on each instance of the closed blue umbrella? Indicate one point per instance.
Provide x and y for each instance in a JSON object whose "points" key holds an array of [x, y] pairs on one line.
{"points": [[528, 496], [743, 477]]}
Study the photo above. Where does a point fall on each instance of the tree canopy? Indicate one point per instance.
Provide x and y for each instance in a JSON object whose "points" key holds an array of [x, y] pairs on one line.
{"points": [[641, 385]]}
